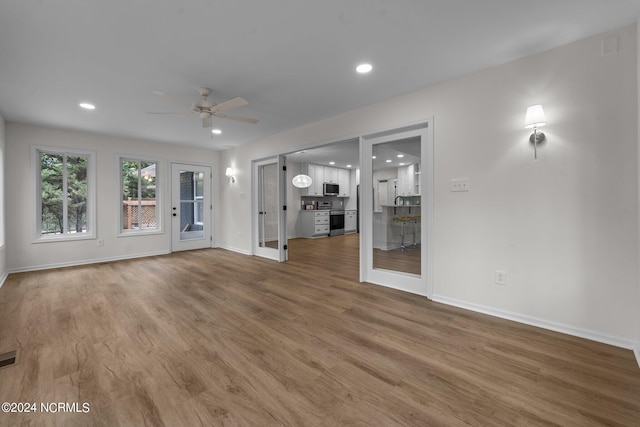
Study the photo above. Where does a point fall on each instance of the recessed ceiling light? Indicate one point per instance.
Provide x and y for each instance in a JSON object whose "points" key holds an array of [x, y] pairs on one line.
{"points": [[373, 157], [216, 131], [87, 106], [401, 164], [388, 160], [332, 163], [364, 68], [348, 166], [400, 156]]}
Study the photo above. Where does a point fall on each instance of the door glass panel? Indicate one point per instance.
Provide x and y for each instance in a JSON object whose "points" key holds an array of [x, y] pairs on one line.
{"points": [[268, 209], [397, 206], [191, 205]]}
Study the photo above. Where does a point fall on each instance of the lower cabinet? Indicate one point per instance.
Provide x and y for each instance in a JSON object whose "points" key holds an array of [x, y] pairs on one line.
{"points": [[350, 221], [314, 224]]}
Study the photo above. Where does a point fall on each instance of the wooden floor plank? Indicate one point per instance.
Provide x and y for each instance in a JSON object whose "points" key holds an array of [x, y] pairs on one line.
{"points": [[212, 337]]}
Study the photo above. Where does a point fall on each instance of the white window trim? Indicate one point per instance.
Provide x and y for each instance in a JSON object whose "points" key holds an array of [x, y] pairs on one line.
{"points": [[91, 194], [159, 217]]}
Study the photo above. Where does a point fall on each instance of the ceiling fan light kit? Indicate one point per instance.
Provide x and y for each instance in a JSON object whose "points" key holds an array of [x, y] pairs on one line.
{"points": [[207, 109]]}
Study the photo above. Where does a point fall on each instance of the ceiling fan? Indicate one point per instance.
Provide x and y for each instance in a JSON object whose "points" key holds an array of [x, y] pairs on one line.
{"points": [[207, 109]]}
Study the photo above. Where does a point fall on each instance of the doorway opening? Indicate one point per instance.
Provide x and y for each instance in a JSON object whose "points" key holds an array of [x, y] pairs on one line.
{"points": [[323, 219]]}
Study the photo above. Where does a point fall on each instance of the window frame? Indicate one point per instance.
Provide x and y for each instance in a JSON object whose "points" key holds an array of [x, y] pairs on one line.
{"points": [[159, 217], [36, 173]]}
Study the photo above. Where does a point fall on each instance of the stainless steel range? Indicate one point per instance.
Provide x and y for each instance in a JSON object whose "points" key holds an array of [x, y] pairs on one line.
{"points": [[336, 219]]}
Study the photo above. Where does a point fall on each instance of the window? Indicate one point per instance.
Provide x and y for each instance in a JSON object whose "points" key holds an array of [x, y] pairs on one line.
{"points": [[65, 194], [138, 190], [2, 172]]}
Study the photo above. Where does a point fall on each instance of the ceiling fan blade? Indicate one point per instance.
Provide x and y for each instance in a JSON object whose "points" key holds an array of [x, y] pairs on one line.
{"points": [[206, 122], [173, 98], [232, 103], [187, 112], [237, 118]]}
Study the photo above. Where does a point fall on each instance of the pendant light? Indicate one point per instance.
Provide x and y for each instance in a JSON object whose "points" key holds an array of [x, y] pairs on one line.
{"points": [[301, 180]]}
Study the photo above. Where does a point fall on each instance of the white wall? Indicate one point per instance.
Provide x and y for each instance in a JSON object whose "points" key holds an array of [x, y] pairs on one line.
{"points": [[23, 254], [637, 349], [564, 228], [3, 263]]}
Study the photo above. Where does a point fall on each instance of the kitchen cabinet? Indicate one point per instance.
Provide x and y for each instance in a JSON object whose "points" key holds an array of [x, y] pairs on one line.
{"points": [[344, 181], [330, 175], [317, 178], [321, 174], [408, 182], [314, 224], [350, 221]]}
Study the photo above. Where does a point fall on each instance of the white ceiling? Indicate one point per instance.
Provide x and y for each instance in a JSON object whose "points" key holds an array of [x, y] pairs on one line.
{"points": [[292, 60]]}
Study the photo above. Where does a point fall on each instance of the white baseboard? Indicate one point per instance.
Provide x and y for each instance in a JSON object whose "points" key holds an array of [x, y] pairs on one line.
{"points": [[3, 278], [541, 323], [86, 261], [636, 351], [232, 249]]}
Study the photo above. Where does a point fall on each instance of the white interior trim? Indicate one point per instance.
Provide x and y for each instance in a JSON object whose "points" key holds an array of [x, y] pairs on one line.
{"points": [[86, 261], [6, 274], [541, 323], [233, 249], [636, 351]]}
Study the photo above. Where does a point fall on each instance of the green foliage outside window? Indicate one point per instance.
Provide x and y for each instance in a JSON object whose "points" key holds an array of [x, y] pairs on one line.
{"points": [[60, 196], [138, 192]]}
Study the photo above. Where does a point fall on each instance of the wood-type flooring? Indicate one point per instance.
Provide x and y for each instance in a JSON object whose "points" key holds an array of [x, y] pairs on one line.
{"points": [[212, 337]]}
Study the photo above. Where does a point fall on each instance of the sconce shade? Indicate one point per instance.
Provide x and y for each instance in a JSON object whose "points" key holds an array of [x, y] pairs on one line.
{"points": [[534, 117], [301, 181], [229, 172]]}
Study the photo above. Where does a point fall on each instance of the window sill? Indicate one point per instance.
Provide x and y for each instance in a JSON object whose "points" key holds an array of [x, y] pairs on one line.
{"points": [[63, 239], [138, 233]]}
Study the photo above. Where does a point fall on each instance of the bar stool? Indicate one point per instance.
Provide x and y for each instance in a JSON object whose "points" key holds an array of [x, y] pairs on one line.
{"points": [[415, 220], [403, 220]]}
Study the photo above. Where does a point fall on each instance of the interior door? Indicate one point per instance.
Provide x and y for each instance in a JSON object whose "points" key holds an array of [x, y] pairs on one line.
{"points": [[396, 237], [270, 240], [190, 207]]}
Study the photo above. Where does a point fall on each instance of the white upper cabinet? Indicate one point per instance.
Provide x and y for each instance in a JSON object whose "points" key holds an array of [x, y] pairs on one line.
{"points": [[316, 173], [321, 174], [330, 174], [344, 181], [408, 180]]}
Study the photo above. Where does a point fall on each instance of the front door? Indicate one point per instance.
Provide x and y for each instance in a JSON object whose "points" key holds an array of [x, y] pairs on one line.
{"points": [[190, 207]]}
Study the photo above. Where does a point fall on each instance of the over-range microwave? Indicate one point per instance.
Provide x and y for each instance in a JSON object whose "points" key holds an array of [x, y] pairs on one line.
{"points": [[329, 189]]}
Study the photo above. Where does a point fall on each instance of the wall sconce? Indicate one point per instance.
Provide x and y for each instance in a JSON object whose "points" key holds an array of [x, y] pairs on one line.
{"points": [[230, 174], [534, 119]]}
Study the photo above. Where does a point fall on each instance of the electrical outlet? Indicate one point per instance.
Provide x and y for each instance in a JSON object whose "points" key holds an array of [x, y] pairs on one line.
{"points": [[460, 184], [500, 277], [100, 242]]}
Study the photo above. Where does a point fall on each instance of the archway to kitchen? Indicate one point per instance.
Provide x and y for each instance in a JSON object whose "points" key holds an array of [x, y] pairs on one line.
{"points": [[381, 235], [322, 219]]}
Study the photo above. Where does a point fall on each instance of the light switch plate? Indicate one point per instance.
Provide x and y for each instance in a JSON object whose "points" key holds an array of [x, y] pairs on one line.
{"points": [[460, 184], [500, 277]]}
